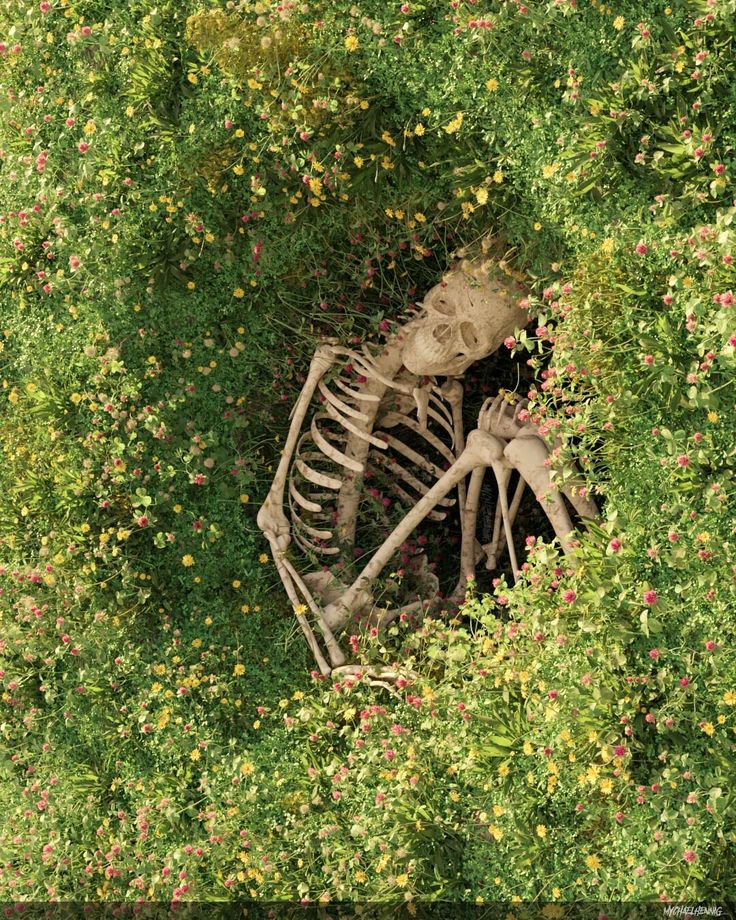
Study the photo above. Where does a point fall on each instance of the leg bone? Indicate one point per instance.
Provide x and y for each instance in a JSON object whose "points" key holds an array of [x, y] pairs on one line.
{"points": [[483, 449]]}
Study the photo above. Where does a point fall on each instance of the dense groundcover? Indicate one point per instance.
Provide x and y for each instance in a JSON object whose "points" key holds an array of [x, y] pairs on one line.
{"points": [[191, 195]]}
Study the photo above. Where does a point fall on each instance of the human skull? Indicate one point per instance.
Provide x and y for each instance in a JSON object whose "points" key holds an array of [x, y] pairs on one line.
{"points": [[465, 318]]}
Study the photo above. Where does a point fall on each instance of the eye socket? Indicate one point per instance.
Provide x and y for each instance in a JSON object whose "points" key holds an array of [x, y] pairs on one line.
{"points": [[442, 333], [468, 335], [443, 306]]}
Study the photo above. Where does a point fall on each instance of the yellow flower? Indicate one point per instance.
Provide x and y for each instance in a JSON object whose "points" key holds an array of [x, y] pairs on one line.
{"points": [[492, 85], [402, 880], [187, 560], [454, 126], [537, 226], [238, 670], [592, 862], [618, 23], [419, 217], [495, 831], [300, 609], [195, 755], [606, 786], [499, 810], [419, 130], [263, 558], [703, 536], [541, 831], [549, 170], [713, 416], [729, 698], [351, 43], [481, 196], [498, 176], [191, 285], [238, 292], [708, 728]]}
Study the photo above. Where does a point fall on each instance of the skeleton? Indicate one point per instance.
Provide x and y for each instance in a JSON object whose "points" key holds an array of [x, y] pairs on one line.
{"points": [[355, 430]]}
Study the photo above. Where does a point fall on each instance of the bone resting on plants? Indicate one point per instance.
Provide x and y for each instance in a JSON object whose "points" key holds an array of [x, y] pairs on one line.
{"points": [[382, 411]]}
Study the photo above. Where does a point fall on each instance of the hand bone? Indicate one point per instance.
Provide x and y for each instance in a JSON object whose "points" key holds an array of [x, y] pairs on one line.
{"points": [[501, 417]]}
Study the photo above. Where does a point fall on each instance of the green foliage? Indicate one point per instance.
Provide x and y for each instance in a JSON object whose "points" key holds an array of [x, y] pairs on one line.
{"points": [[191, 196]]}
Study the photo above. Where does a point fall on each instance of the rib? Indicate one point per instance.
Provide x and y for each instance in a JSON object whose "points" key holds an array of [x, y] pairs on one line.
{"points": [[301, 500], [394, 418], [330, 451], [418, 459], [411, 501], [363, 435], [340, 405], [397, 470], [370, 397]]}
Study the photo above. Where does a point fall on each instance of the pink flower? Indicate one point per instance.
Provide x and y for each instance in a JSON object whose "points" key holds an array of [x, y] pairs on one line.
{"points": [[620, 750], [684, 681], [690, 856], [641, 248], [142, 521], [509, 341], [710, 645], [83, 147], [614, 545], [650, 597], [654, 653], [649, 359], [683, 460], [569, 596]]}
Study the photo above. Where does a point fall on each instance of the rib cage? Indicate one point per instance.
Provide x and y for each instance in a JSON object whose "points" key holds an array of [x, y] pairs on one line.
{"points": [[403, 461]]}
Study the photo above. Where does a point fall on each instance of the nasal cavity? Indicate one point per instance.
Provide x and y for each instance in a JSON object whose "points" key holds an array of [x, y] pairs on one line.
{"points": [[442, 333]]}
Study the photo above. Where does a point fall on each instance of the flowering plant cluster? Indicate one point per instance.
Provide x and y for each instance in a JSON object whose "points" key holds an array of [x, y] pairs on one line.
{"points": [[192, 196]]}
